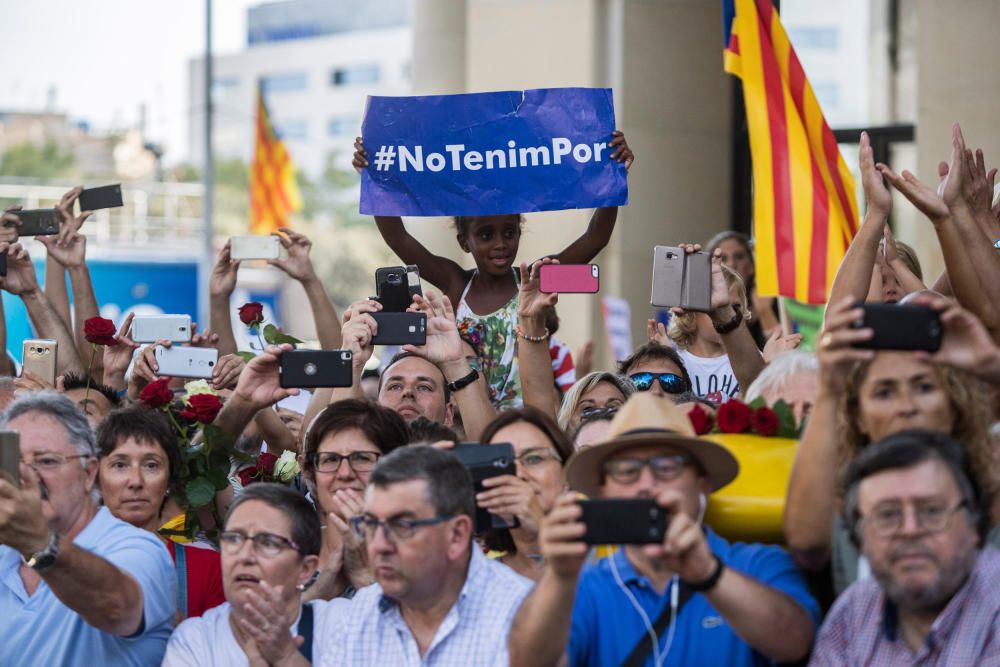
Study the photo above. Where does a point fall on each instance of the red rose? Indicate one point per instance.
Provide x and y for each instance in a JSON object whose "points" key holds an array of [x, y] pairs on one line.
{"points": [[765, 421], [265, 464], [252, 314], [202, 408], [247, 475], [700, 419], [156, 394], [734, 417], [100, 331]]}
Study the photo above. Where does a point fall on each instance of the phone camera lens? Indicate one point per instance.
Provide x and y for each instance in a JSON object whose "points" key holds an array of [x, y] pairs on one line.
{"points": [[211, 363], [395, 279], [309, 369]]}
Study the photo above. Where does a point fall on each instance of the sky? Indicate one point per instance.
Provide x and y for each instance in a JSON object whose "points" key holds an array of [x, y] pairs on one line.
{"points": [[106, 57]]}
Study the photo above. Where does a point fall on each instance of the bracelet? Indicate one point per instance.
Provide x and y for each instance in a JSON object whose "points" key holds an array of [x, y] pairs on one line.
{"points": [[464, 381], [532, 339], [731, 325], [713, 579]]}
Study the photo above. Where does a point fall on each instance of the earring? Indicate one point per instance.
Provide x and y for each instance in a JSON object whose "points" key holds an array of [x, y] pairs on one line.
{"points": [[301, 588]]}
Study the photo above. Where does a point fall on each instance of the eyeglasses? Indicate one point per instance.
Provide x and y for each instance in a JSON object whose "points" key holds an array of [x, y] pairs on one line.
{"points": [[627, 471], [396, 528], [932, 517], [536, 457], [669, 382], [264, 544], [49, 462], [358, 461], [594, 412]]}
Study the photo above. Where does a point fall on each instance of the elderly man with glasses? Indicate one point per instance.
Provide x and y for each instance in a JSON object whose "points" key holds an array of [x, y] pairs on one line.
{"points": [[77, 585], [438, 600], [920, 520]]}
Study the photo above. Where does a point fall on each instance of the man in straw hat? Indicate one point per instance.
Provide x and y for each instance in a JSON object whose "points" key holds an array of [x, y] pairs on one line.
{"points": [[706, 601]]}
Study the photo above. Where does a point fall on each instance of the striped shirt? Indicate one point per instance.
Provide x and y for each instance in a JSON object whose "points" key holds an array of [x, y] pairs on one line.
{"points": [[862, 626], [372, 631]]}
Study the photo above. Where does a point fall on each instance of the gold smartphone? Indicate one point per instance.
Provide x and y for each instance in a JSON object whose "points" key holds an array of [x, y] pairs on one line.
{"points": [[39, 358]]}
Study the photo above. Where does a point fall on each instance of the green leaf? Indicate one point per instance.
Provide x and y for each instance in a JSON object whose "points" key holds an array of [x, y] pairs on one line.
{"points": [[199, 492], [786, 420], [219, 477], [246, 356], [758, 402], [275, 337]]}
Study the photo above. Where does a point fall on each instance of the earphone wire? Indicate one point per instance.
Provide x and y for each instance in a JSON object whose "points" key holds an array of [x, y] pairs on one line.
{"points": [[674, 595]]}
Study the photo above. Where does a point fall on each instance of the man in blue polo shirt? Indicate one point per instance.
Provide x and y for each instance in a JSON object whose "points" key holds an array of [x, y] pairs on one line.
{"points": [[704, 600]]}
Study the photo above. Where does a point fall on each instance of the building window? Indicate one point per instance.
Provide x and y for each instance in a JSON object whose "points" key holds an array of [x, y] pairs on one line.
{"points": [[343, 126], [292, 130], [827, 94], [355, 75], [224, 88], [813, 38], [284, 83]]}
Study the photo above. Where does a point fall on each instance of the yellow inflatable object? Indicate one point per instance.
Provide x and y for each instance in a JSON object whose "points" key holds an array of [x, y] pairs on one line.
{"points": [[749, 509]]}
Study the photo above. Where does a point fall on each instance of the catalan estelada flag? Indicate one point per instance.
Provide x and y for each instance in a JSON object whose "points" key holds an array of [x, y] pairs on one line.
{"points": [[805, 213], [273, 190]]}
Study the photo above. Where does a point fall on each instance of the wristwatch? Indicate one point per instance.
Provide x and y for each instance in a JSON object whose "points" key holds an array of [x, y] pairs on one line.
{"points": [[44, 559], [731, 325], [713, 579], [464, 381]]}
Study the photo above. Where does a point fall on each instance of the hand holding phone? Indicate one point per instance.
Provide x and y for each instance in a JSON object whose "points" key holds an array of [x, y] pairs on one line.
{"points": [[186, 362], [151, 328], [38, 222], [38, 356], [485, 461], [10, 456], [569, 278], [254, 247], [107, 196], [896, 327], [681, 280], [395, 287], [623, 521], [316, 368]]}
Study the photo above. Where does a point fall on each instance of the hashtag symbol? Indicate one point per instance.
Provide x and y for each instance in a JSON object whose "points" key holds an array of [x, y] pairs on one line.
{"points": [[384, 158]]}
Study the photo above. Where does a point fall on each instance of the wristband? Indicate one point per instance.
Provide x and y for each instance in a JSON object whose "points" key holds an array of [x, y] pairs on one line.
{"points": [[713, 579], [464, 381], [532, 339], [731, 325]]}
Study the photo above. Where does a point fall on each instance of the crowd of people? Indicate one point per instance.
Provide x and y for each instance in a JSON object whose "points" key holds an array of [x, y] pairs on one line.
{"points": [[235, 521]]}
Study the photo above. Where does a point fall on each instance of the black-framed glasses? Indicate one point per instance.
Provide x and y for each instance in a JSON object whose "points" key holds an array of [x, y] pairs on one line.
{"points": [[396, 528], [664, 468], [671, 383], [594, 412], [932, 517], [264, 544], [358, 461]]}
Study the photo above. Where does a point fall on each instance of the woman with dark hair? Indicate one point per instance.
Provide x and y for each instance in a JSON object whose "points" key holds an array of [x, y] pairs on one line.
{"points": [[139, 465], [541, 450], [341, 448], [270, 545]]}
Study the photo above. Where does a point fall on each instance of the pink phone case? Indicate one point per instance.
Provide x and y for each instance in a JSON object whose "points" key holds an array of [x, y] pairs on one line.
{"points": [[569, 278]]}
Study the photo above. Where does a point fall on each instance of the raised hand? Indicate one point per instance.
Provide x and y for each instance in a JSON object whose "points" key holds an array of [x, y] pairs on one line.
{"points": [[20, 278], [360, 160], [622, 153], [685, 548], [258, 384], [778, 343], [656, 332], [510, 496], [532, 303], [145, 369], [834, 350], [227, 371], [443, 341], [877, 195], [720, 290], [927, 200], [222, 281], [118, 357], [297, 265], [69, 225], [357, 332], [203, 339], [9, 222], [71, 252], [978, 187], [965, 343], [561, 538]]}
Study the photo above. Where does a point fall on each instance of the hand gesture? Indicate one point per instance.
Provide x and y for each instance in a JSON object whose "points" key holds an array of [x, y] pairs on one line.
{"points": [[561, 538], [69, 225], [877, 195], [24, 520], [9, 222], [583, 358], [510, 496], [29, 382], [118, 357], [978, 187], [227, 371], [532, 303], [357, 332], [443, 341], [622, 153], [778, 342], [360, 160], [834, 350], [258, 384], [348, 503], [685, 548], [721, 296], [656, 332], [266, 622], [203, 340], [965, 343], [222, 281], [297, 265], [71, 252], [20, 278], [145, 368], [927, 201], [957, 184]]}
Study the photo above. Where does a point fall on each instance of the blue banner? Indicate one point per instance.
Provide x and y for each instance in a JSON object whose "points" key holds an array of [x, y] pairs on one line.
{"points": [[491, 153]]}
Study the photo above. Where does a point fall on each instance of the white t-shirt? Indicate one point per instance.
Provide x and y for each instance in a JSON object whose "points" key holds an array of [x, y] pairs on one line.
{"points": [[712, 378], [209, 640]]}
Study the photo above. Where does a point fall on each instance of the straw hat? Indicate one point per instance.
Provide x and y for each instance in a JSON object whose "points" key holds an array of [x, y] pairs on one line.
{"points": [[649, 420]]}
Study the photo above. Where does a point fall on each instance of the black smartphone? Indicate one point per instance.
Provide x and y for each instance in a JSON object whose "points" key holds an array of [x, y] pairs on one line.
{"points": [[3, 263], [37, 222], [483, 462], [623, 521], [900, 327], [315, 368], [400, 328], [395, 287], [10, 456], [107, 196]]}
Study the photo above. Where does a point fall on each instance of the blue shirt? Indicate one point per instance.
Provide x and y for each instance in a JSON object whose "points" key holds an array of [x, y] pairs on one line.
{"points": [[41, 630], [606, 627]]}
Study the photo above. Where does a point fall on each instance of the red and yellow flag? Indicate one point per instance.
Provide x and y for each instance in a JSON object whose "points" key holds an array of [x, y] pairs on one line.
{"points": [[273, 190], [805, 213]]}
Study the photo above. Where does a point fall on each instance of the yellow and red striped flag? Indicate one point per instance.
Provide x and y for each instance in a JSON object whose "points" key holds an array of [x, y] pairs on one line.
{"points": [[273, 190], [805, 213]]}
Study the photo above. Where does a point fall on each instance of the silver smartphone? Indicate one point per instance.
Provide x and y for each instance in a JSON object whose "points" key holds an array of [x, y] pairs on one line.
{"points": [[151, 328], [186, 362], [254, 247], [38, 356], [681, 280], [10, 456]]}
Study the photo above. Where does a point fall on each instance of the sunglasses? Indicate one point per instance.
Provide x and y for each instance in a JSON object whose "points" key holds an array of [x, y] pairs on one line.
{"points": [[671, 383]]}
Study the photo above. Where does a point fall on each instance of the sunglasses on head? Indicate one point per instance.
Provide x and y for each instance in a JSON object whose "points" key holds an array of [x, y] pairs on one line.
{"points": [[671, 383]]}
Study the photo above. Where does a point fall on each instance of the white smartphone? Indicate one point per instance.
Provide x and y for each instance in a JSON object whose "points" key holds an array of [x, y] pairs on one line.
{"points": [[151, 328], [254, 247], [186, 362]]}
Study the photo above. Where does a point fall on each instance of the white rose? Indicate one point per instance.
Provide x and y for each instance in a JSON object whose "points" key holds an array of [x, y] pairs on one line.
{"points": [[199, 387], [286, 467]]}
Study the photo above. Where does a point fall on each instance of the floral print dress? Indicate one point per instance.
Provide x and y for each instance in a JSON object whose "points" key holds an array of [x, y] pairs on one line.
{"points": [[495, 340]]}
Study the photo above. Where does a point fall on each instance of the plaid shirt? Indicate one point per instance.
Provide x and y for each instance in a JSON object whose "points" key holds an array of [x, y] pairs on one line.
{"points": [[862, 626], [372, 631]]}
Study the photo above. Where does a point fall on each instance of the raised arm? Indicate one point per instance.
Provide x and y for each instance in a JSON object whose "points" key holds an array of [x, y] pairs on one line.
{"points": [[744, 356], [220, 288], [257, 388], [908, 281], [534, 363], [299, 266]]}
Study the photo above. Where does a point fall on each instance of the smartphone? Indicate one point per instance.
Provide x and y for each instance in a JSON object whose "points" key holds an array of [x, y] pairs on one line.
{"points": [[151, 328], [400, 328], [3, 263], [10, 456], [623, 521], [254, 247], [483, 462], [37, 222], [569, 278], [39, 356], [900, 327], [316, 368], [681, 280], [107, 196], [395, 287], [186, 362]]}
